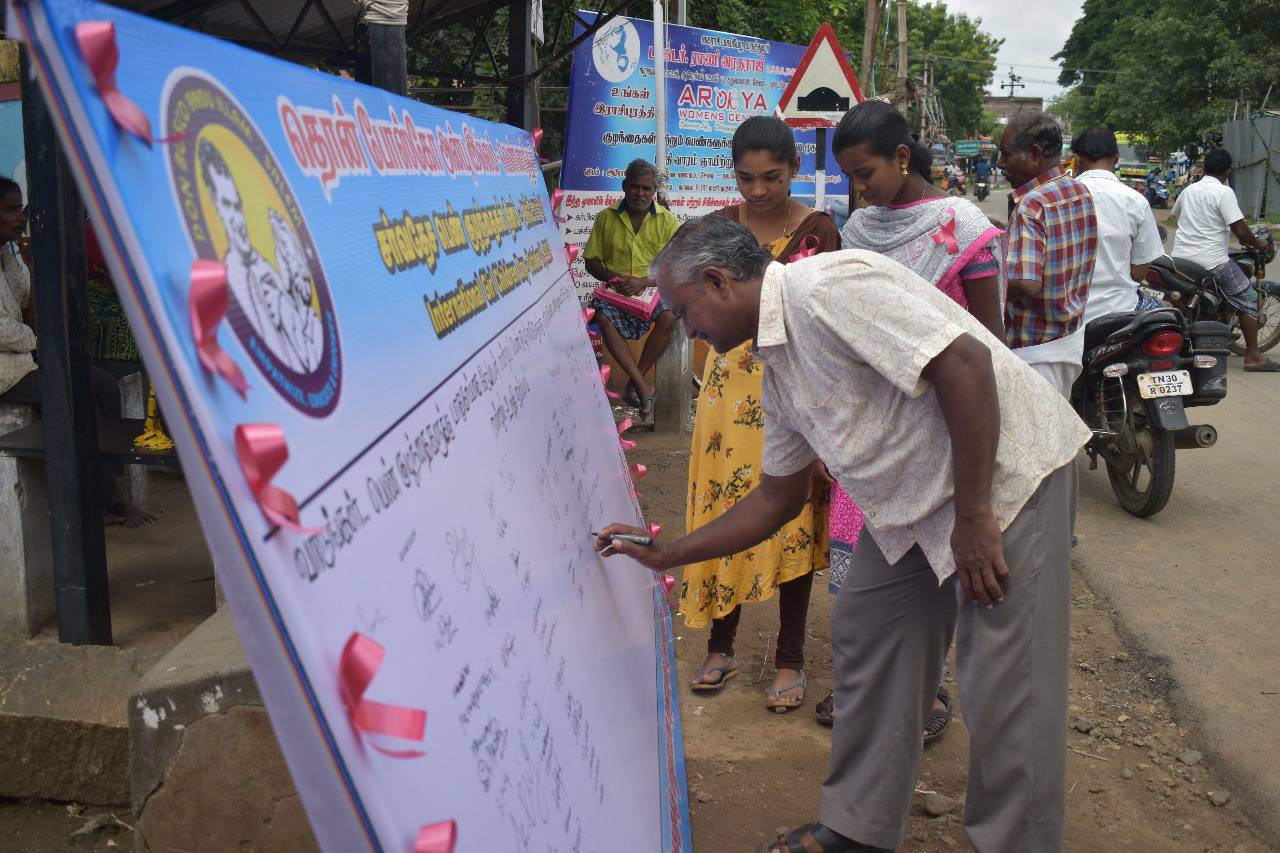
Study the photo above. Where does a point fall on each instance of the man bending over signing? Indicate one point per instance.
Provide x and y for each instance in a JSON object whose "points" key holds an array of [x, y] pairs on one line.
{"points": [[957, 453]]}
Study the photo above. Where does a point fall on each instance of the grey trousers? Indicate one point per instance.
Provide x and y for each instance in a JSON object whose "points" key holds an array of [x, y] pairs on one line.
{"points": [[890, 631]]}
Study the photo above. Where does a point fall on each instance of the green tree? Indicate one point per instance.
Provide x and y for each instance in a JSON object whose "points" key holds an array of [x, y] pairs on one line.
{"points": [[1181, 71]]}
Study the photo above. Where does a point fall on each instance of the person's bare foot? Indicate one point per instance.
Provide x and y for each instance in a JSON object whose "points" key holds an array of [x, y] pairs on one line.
{"points": [[716, 669], [788, 678], [130, 515]]}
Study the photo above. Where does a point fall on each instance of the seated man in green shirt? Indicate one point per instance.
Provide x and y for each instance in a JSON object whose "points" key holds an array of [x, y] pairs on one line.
{"points": [[624, 240]]}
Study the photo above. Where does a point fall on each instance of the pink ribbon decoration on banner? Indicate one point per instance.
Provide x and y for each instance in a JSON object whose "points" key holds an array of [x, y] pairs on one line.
{"points": [[437, 837], [536, 133], [668, 584], [654, 530], [97, 42], [624, 425], [946, 233], [638, 470], [361, 659], [557, 196], [571, 252], [808, 248], [262, 451], [588, 314], [208, 305], [605, 370]]}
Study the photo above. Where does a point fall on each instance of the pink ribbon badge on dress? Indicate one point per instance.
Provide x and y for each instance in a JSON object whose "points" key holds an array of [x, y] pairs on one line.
{"points": [[437, 837], [624, 425], [946, 233], [360, 662], [571, 252], [208, 305], [97, 43], [605, 370], [808, 248], [262, 451]]}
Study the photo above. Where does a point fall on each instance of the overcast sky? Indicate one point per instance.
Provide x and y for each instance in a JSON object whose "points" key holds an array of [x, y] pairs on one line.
{"points": [[1033, 31]]}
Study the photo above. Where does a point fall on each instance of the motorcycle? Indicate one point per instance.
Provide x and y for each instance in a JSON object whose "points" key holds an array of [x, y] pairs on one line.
{"points": [[982, 189], [1158, 194], [1141, 370], [957, 185], [1194, 291]]}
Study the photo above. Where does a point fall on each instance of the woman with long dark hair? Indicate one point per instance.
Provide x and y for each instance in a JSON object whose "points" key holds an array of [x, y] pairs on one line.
{"points": [[728, 438]]}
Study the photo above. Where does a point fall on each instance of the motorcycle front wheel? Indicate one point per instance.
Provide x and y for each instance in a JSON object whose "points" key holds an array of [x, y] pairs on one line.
{"points": [[1268, 325], [1141, 473]]}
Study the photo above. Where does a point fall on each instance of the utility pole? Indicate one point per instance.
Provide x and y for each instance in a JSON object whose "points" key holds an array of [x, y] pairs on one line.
{"points": [[1013, 83], [924, 117], [870, 27], [902, 50]]}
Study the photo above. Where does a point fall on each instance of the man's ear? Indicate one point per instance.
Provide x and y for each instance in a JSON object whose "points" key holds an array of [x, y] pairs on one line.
{"points": [[717, 280]]}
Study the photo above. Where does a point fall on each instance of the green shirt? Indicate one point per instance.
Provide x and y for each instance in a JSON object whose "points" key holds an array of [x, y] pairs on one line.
{"points": [[621, 248]]}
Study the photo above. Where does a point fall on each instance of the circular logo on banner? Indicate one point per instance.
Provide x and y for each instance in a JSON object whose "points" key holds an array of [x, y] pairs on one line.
{"points": [[616, 50], [238, 208]]}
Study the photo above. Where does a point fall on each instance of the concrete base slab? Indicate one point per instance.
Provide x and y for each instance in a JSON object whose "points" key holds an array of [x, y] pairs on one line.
{"points": [[206, 771], [64, 733]]}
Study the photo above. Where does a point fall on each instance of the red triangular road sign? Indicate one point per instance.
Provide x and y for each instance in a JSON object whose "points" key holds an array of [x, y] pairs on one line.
{"points": [[823, 86]]}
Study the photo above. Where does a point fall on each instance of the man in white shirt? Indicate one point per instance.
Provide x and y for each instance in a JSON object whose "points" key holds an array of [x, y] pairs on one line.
{"points": [[1127, 236], [1208, 214], [959, 456]]}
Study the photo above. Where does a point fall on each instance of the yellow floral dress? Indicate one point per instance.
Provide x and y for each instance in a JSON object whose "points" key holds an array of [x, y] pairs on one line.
{"points": [[724, 466]]}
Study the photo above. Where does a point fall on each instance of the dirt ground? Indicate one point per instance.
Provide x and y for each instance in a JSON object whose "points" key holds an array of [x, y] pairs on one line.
{"points": [[752, 771]]}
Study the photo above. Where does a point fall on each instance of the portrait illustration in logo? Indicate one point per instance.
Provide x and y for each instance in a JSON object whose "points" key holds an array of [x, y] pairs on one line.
{"points": [[238, 208], [616, 50]]}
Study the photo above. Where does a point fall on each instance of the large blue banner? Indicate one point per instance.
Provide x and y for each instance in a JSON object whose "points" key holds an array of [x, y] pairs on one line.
{"points": [[714, 81], [436, 641]]}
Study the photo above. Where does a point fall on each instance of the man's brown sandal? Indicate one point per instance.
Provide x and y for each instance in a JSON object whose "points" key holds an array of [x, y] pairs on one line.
{"points": [[814, 838]]}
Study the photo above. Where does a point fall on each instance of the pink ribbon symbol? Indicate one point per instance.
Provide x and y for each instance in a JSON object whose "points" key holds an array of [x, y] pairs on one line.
{"points": [[97, 42], [808, 248], [571, 252], [668, 584], [624, 425], [361, 659], [605, 370], [654, 530], [557, 196], [536, 134], [437, 837], [638, 470], [208, 305], [946, 233], [262, 451], [588, 314]]}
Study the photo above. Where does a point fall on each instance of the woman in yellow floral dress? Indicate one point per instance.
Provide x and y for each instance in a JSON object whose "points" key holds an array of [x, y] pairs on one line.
{"points": [[728, 439]]}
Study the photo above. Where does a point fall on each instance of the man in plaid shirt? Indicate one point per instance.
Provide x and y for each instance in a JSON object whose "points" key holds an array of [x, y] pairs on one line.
{"points": [[1053, 236]]}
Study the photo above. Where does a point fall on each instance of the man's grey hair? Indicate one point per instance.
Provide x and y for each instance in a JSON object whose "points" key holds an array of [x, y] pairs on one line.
{"points": [[709, 241], [640, 167], [1033, 127]]}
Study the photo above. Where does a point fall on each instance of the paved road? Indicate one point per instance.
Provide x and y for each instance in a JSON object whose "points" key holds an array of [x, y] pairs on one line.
{"points": [[1197, 587]]}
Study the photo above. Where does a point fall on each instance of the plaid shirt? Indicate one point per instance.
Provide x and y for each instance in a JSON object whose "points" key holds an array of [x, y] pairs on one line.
{"points": [[1053, 236]]}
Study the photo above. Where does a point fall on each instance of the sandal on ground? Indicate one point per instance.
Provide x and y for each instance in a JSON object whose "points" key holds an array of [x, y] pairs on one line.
{"points": [[1267, 366], [631, 396], [780, 705], [646, 407], [826, 711], [938, 720], [727, 672], [812, 838]]}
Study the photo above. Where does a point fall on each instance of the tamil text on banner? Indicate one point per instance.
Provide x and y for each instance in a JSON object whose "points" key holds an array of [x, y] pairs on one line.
{"points": [[358, 318], [715, 81]]}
